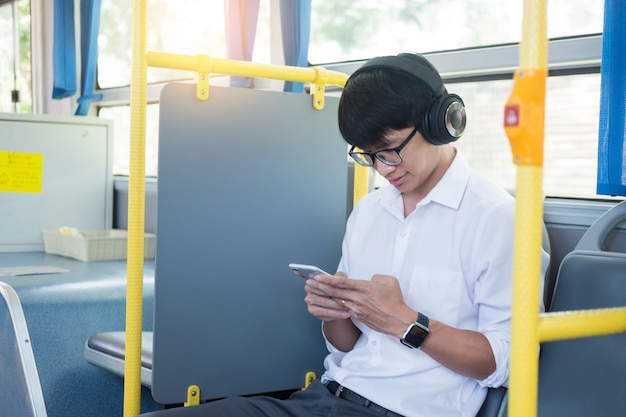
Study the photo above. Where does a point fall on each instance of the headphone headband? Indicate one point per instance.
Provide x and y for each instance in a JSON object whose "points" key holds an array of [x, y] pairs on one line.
{"points": [[405, 65], [445, 120]]}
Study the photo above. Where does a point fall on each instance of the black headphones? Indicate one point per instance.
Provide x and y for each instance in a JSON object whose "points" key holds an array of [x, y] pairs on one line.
{"points": [[445, 120]]}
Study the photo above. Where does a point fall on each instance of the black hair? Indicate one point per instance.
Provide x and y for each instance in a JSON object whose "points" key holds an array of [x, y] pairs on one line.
{"points": [[377, 100]]}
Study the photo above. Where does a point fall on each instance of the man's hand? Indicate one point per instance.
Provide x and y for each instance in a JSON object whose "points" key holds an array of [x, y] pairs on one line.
{"points": [[377, 303], [339, 330], [322, 305]]}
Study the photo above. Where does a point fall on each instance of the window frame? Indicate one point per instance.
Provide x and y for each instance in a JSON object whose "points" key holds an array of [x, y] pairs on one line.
{"points": [[580, 54]]}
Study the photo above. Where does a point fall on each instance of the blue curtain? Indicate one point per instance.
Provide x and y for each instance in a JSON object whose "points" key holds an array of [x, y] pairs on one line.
{"points": [[89, 28], [240, 18], [612, 138], [63, 50], [295, 16]]}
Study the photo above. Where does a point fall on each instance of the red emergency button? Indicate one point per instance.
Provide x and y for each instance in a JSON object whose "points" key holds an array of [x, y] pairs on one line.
{"points": [[511, 116]]}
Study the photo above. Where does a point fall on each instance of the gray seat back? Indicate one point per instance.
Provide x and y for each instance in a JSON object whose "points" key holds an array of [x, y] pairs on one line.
{"points": [[20, 390], [249, 181]]}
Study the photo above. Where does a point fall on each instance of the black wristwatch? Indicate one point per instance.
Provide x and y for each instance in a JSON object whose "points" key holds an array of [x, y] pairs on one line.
{"points": [[416, 332]]}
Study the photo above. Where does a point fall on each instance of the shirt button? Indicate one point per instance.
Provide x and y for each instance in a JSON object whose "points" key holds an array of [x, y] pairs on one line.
{"points": [[402, 234], [374, 343]]}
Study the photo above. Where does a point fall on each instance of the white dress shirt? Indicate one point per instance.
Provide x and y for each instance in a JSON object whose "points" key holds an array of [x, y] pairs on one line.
{"points": [[453, 257]]}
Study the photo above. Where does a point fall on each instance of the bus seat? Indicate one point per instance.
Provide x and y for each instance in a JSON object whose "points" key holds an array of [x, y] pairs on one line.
{"points": [[549, 279], [20, 389], [574, 374], [494, 404], [107, 350]]}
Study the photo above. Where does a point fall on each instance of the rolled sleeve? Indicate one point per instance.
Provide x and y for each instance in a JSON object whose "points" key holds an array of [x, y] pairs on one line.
{"points": [[501, 347], [329, 346]]}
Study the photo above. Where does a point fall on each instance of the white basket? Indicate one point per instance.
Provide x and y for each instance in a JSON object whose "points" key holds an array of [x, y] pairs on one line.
{"points": [[93, 245]]}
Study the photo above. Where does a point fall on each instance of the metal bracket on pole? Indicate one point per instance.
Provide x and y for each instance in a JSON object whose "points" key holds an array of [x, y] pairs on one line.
{"points": [[319, 87], [308, 378], [193, 396], [202, 75]]}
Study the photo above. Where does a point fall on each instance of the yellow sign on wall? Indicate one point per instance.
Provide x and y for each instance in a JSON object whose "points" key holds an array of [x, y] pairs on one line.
{"points": [[21, 172]]}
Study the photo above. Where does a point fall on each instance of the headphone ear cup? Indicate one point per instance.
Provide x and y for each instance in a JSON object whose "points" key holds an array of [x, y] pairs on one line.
{"points": [[445, 120]]}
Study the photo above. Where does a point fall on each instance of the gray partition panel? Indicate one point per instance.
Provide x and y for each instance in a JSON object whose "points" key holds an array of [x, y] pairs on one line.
{"points": [[249, 181]]}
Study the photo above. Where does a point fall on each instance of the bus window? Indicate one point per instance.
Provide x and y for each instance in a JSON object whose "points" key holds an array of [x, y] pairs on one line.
{"points": [[346, 30], [15, 66], [198, 25], [571, 133]]}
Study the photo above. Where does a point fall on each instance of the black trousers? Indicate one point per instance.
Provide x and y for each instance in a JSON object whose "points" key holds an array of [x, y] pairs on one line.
{"points": [[315, 401]]}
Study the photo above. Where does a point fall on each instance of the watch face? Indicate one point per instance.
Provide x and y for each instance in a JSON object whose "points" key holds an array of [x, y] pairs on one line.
{"points": [[415, 336]]}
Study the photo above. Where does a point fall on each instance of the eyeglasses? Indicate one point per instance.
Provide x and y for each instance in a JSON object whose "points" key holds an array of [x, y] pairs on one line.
{"points": [[386, 156]]}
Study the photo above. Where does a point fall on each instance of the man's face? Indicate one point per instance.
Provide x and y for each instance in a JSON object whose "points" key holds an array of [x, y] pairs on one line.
{"points": [[423, 163]]}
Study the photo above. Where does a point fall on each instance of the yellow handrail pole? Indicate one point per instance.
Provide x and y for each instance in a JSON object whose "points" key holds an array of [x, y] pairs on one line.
{"points": [[524, 125], [136, 213], [361, 183], [581, 323], [241, 68]]}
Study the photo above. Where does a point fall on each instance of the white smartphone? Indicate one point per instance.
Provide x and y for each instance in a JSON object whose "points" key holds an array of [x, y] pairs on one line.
{"points": [[307, 271]]}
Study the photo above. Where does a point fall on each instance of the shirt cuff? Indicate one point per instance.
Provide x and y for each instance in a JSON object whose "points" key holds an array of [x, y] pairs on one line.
{"points": [[501, 349]]}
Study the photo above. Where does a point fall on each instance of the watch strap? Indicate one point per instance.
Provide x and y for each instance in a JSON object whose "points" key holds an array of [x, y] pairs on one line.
{"points": [[422, 319]]}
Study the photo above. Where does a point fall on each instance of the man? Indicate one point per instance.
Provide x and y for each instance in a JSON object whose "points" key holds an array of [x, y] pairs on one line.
{"points": [[417, 317]]}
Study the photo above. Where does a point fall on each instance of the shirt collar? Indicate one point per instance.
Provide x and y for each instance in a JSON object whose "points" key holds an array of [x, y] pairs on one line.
{"points": [[448, 191]]}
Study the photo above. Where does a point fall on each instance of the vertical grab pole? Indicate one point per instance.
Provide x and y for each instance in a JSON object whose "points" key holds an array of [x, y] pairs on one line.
{"points": [[361, 182], [136, 213], [524, 118]]}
